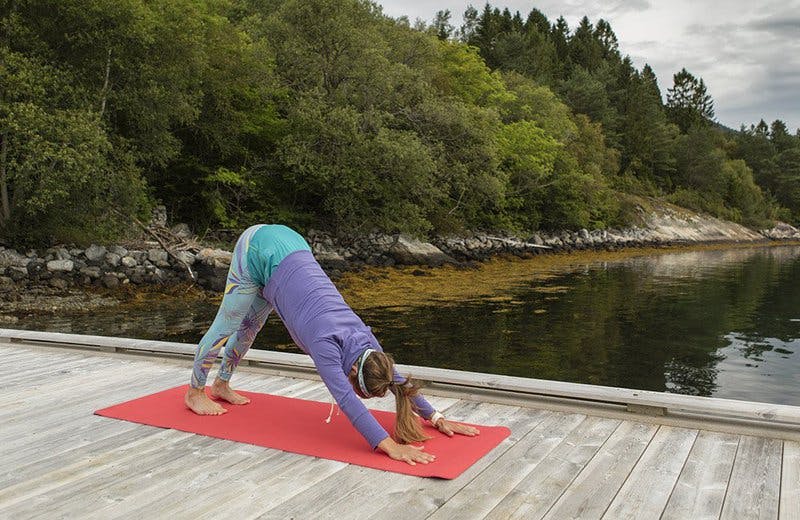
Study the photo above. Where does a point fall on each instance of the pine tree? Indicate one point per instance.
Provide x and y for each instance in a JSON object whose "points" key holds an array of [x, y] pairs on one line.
{"points": [[538, 20], [780, 137], [607, 40], [442, 26], [688, 102], [584, 48], [467, 32], [559, 35]]}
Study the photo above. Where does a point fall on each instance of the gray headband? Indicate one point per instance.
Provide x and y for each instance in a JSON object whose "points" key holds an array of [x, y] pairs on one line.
{"points": [[361, 383]]}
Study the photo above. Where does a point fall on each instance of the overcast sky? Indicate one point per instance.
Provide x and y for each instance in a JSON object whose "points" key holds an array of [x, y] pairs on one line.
{"points": [[746, 51]]}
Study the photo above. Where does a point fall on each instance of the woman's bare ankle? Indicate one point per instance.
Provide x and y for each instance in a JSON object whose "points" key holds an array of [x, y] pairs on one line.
{"points": [[220, 383]]}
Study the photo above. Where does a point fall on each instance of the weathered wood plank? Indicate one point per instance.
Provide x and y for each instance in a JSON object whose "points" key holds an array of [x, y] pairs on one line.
{"points": [[790, 482], [50, 371], [257, 485], [512, 473], [27, 494], [700, 490], [36, 460], [107, 485], [414, 501], [260, 487], [173, 485], [70, 440], [537, 493], [595, 487], [649, 485], [77, 384], [754, 487], [91, 395]]}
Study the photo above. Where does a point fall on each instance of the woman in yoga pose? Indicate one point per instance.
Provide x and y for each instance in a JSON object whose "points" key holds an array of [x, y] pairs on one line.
{"points": [[273, 268]]}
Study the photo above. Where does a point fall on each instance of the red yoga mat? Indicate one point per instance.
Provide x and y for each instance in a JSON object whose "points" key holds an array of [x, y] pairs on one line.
{"points": [[298, 426]]}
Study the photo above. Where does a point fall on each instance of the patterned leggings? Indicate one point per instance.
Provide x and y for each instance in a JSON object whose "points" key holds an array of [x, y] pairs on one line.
{"points": [[241, 315]]}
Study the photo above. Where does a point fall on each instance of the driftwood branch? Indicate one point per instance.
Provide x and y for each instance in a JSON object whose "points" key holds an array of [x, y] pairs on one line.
{"points": [[152, 233], [518, 243]]}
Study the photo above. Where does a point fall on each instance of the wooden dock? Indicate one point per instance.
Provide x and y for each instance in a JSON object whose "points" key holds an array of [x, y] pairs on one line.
{"points": [[576, 451]]}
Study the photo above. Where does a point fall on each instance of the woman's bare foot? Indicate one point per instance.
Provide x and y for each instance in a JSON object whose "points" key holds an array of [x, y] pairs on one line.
{"points": [[197, 400], [222, 390]]}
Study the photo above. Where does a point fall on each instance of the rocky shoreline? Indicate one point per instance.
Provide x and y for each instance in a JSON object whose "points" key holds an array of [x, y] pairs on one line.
{"points": [[63, 268]]}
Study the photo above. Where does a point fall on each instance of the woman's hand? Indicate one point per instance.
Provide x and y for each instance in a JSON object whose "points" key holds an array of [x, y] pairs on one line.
{"points": [[405, 452], [449, 428]]}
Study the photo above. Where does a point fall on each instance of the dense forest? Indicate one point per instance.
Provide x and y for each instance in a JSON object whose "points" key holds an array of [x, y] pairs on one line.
{"points": [[329, 114]]}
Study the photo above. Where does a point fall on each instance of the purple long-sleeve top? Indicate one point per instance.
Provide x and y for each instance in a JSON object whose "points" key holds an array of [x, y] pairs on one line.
{"points": [[328, 330]]}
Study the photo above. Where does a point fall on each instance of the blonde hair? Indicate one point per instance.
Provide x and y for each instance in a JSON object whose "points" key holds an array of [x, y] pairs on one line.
{"points": [[378, 374]]}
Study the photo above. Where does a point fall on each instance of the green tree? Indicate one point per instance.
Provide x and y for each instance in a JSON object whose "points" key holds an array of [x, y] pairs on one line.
{"points": [[442, 26], [219, 178], [646, 135], [688, 102], [559, 35], [585, 50], [56, 150], [788, 180], [468, 31], [527, 156], [780, 137], [586, 94], [755, 148]]}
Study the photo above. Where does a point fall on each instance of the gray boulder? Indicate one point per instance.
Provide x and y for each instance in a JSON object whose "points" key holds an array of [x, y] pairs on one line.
{"points": [[472, 244], [128, 261], [328, 257], [109, 280], [410, 251], [137, 275], [158, 257], [113, 259], [9, 258], [215, 258], [118, 250], [781, 230], [95, 253], [60, 266]]}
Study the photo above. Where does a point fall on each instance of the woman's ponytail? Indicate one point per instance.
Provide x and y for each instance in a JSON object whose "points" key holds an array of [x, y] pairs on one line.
{"points": [[407, 428], [379, 378]]}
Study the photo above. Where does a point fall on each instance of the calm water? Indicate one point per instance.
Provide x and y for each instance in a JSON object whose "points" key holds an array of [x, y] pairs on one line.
{"points": [[714, 323]]}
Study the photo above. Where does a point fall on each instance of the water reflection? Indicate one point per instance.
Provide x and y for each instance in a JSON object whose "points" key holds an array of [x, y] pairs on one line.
{"points": [[688, 322], [715, 323]]}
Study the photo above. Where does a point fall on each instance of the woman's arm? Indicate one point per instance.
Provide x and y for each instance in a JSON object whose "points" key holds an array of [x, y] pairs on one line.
{"points": [[330, 370]]}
